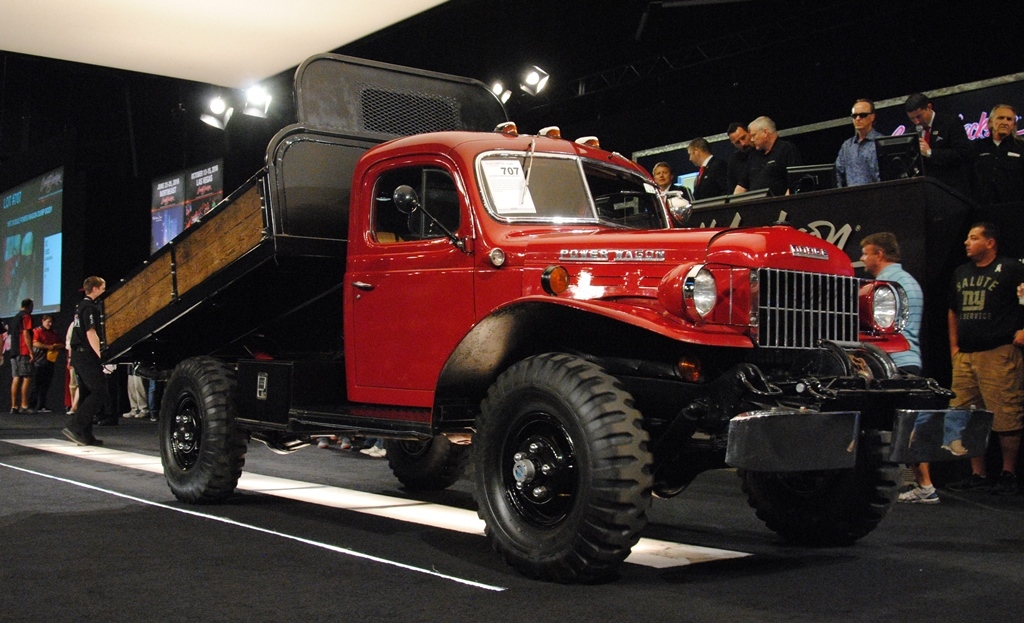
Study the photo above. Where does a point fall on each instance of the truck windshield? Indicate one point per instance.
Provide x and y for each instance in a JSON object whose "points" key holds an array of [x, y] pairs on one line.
{"points": [[563, 189]]}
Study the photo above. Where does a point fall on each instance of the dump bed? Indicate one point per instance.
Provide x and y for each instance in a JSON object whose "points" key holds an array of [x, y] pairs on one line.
{"points": [[262, 272], [257, 273]]}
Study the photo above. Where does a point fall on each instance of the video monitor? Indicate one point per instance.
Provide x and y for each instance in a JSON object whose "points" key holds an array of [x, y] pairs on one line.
{"points": [[811, 177], [31, 233], [181, 199], [899, 157]]}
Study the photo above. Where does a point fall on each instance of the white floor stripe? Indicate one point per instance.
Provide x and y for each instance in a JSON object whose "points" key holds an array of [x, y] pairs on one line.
{"points": [[648, 552], [291, 537]]}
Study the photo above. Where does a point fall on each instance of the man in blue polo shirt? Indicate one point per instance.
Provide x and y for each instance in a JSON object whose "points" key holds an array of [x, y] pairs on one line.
{"points": [[880, 253], [857, 163]]}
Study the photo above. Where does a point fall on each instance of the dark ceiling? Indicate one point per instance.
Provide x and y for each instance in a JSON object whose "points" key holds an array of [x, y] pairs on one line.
{"points": [[691, 71]]}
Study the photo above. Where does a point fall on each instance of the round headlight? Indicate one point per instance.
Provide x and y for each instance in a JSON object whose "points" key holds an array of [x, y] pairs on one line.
{"points": [[700, 291], [885, 307], [904, 313]]}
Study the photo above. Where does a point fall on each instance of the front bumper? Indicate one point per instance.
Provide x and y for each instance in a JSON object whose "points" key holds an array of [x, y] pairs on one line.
{"points": [[793, 441], [781, 440], [939, 435]]}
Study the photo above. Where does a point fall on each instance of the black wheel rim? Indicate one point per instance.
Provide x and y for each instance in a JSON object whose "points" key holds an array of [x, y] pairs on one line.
{"points": [[414, 449], [539, 470], [186, 432]]}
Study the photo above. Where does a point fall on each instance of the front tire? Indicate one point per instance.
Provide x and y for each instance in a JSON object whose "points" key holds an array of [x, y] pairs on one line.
{"points": [[201, 446], [828, 508], [562, 469]]}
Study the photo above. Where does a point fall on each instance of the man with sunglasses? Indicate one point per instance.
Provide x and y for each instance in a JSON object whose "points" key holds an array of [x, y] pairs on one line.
{"points": [[857, 163]]}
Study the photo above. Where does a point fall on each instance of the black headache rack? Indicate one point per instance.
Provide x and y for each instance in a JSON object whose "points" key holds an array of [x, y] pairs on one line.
{"points": [[262, 272]]}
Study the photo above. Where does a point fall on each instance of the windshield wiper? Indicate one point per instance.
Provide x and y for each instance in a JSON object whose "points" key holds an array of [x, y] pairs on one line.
{"points": [[529, 168]]}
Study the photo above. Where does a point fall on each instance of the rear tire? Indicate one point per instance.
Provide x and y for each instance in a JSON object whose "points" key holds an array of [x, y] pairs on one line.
{"points": [[561, 469], [828, 508], [430, 465], [201, 446]]}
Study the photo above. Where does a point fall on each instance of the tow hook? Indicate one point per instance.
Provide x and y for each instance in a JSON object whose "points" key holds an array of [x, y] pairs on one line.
{"points": [[747, 374], [934, 386]]}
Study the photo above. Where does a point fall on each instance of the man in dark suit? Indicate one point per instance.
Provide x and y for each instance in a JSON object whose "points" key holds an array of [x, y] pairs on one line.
{"points": [[944, 144], [739, 161], [712, 173]]}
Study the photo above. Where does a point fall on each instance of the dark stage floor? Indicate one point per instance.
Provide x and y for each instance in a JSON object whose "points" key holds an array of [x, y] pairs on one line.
{"points": [[94, 534]]}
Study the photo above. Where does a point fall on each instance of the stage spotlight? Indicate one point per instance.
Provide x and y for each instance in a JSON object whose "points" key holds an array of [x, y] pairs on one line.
{"points": [[218, 106], [534, 80], [218, 113], [257, 102], [500, 92]]}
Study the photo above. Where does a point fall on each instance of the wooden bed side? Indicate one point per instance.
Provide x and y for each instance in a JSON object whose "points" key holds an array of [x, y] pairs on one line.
{"points": [[231, 234], [228, 234], [139, 298]]}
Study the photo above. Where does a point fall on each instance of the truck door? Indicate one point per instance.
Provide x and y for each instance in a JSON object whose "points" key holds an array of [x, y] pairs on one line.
{"points": [[409, 289]]}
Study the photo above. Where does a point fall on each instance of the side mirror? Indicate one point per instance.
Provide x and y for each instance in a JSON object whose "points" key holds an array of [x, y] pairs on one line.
{"points": [[406, 200], [678, 207]]}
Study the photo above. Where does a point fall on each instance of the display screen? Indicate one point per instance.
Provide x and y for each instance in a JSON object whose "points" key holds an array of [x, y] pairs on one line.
{"points": [[31, 234], [181, 199]]}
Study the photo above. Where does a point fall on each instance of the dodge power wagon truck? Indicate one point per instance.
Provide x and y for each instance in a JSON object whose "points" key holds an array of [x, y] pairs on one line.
{"points": [[408, 266]]}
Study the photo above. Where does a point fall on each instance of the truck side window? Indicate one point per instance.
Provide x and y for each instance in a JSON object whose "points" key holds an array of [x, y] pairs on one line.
{"points": [[438, 198]]}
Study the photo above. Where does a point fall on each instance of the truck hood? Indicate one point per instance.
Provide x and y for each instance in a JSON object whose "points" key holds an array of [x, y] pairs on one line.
{"points": [[780, 247]]}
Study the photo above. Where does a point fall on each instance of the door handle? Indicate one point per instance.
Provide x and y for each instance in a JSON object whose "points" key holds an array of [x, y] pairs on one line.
{"points": [[362, 285]]}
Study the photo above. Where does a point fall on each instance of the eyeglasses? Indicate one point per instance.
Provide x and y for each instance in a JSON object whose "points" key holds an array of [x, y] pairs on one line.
{"points": [[861, 115]]}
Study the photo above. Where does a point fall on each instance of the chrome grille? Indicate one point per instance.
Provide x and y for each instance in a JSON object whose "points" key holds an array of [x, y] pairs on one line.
{"points": [[796, 310]]}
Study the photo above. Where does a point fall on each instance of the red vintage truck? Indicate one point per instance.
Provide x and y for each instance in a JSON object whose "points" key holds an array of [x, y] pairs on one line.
{"points": [[408, 266]]}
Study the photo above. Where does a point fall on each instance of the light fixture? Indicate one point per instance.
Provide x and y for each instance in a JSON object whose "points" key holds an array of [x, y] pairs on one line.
{"points": [[218, 113], [257, 102], [500, 92], [508, 128], [218, 106], [534, 80]]}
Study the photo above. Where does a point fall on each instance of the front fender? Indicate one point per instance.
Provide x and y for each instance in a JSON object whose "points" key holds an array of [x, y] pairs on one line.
{"points": [[648, 315], [538, 324]]}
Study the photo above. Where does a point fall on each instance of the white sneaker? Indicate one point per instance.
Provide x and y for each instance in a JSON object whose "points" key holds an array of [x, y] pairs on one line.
{"points": [[375, 452], [917, 495], [131, 414]]}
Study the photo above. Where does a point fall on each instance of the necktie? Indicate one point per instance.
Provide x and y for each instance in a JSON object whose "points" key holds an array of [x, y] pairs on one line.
{"points": [[700, 176]]}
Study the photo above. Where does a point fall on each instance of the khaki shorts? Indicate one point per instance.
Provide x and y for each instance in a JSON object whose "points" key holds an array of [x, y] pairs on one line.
{"points": [[993, 380]]}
